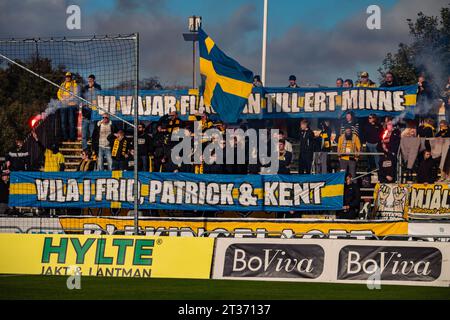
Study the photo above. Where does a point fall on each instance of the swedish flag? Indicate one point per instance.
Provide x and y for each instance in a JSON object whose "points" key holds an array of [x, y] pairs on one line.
{"points": [[227, 84]]}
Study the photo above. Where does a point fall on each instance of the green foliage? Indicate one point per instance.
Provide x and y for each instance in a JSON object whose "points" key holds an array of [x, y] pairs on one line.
{"points": [[23, 95], [429, 52]]}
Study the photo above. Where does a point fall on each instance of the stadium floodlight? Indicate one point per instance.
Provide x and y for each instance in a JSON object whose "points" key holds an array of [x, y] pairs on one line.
{"points": [[195, 22]]}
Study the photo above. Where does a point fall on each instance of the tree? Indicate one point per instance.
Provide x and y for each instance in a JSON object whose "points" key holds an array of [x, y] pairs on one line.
{"points": [[151, 83], [429, 52]]}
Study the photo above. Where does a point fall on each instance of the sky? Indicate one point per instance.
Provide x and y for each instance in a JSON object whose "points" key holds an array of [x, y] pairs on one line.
{"points": [[317, 41]]}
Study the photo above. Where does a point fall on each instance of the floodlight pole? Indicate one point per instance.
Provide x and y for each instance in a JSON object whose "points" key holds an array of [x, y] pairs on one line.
{"points": [[264, 46], [135, 143], [194, 25], [194, 84]]}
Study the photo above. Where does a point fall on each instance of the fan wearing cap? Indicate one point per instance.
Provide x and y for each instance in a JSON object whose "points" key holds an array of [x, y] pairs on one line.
{"points": [[66, 93], [364, 81], [293, 82]]}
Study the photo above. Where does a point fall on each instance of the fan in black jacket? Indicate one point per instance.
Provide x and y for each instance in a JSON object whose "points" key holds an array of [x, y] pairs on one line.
{"points": [[426, 173], [284, 158], [18, 159], [306, 148], [352, 199], [388, 167]]}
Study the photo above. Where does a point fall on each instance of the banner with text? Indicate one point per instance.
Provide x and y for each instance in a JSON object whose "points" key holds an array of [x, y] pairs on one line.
{"points": [[177, 191], [374, 263], [267, 103], [412, 200], [113, 256]]}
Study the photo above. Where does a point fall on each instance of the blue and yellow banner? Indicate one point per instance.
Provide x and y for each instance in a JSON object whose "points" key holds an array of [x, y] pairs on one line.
{"points": [[177, 191], [268, 103]]}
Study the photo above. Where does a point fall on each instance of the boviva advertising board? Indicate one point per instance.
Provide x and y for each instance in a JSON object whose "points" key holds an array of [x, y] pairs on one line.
{"points": [[337, 261], [115, 256]]}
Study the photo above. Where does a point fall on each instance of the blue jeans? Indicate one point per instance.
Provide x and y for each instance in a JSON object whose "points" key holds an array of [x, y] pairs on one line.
{"points": [[68, 123], [87, 128], [104, 152], [372, 147], [143, 164]]}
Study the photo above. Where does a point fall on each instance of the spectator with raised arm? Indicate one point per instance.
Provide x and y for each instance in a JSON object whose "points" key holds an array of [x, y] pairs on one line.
{"points": [[53, 159]]}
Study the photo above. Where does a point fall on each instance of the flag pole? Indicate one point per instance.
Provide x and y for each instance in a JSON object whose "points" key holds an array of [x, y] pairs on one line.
{"points": [[264, 45]]}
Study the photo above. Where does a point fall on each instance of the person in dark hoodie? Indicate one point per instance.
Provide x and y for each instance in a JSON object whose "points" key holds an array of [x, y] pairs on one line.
{"points": [[352, 199], [144, 148], [426, 173], [387, 166], [306, 148]]}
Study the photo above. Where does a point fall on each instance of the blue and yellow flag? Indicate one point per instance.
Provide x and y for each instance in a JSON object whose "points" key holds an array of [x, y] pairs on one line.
{"points": [[227, 84]]}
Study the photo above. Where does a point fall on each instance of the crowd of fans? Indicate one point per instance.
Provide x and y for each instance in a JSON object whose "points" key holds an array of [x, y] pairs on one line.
{"points": [[108, 146]]}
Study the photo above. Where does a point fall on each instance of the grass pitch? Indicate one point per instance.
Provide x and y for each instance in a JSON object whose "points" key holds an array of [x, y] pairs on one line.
{"points": [[54, 287]]}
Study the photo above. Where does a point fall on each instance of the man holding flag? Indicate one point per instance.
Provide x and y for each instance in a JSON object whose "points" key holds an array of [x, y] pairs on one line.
{"points": [[227, 84]]}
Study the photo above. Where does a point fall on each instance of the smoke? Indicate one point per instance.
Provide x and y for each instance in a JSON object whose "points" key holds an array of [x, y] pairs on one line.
{"points": [[52, 107]]}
